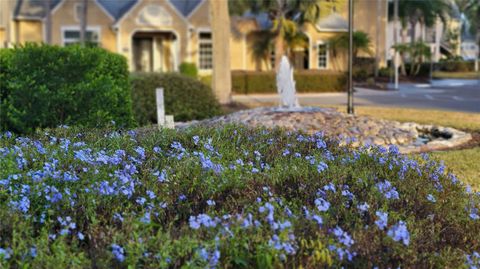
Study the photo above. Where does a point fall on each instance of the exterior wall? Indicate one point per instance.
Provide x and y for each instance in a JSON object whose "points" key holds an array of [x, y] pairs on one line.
{"points": [[29, 31], [129, 25], [64, 17], [365, 19], [3, 37]]}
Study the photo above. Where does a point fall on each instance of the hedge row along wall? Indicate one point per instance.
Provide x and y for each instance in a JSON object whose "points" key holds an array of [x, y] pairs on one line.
{"points": [[46, 86], [252, 82]]}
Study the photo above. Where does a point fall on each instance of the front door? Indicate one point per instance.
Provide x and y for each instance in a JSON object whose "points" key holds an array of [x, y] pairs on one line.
{"points": [[143, 54]]}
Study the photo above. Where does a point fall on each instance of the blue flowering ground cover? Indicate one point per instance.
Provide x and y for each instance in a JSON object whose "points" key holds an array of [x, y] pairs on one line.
{"points": [[227, 197]]}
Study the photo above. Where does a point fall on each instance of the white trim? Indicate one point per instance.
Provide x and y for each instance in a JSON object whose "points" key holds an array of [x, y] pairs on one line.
{"points": [[200, 31], [142, 29], [196, 9], [96, 28], [57, 7], [327, 55], [330, 30], [124, 15]]}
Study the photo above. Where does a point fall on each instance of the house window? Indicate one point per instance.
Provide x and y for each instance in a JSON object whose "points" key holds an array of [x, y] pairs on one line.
{"points": [[72, 36], [272, 59], [322, 56], [205, 51]]}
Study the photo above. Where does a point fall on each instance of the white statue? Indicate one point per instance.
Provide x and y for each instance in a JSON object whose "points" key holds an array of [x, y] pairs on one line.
{"points": [[286, 85]]}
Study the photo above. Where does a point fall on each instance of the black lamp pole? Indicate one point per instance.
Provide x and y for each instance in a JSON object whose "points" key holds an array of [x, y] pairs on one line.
{"points": [[350, 57]]}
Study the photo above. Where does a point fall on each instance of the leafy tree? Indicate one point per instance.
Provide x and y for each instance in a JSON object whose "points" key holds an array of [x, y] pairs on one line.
{"points": [[287, 17]]}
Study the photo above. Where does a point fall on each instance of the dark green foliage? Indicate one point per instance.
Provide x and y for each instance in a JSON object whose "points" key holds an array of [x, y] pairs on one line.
{"points": [[455, 65], [188, 69], [251, 82], [46, 86], [185, 98]]}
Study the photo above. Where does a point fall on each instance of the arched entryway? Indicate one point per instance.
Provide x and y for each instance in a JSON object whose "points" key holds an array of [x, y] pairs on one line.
{"points": [[154, 51]]}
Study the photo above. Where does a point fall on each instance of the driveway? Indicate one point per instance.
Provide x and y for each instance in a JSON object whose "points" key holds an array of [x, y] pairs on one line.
{"points": [[448, 94]]}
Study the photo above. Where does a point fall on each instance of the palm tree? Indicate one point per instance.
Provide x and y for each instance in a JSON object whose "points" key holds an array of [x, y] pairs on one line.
{"points": [[361, 43], [413, 12], [287, 17]]}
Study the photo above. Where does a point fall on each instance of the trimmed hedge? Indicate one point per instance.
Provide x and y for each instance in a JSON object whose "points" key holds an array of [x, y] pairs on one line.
{"points": [[188, 69], [186, 98], [252, 82], [455, 66], [46, 86]]}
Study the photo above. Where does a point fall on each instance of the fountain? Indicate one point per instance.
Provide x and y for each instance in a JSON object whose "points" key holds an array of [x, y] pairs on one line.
{"points": [[286, 86]]}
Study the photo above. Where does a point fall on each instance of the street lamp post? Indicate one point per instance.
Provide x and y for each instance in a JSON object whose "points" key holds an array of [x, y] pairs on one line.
{"points": [[350, 57]]}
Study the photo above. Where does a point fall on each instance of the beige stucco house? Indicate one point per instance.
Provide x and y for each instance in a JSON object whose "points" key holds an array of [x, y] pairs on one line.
{"points": [[158, 35]]}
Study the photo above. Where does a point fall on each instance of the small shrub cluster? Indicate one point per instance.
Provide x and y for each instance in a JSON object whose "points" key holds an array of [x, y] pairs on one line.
{"points": [[188, 69], [228, 197], [186, 98], [47, 86], [252, 82], [363, 68], [455, 65]]}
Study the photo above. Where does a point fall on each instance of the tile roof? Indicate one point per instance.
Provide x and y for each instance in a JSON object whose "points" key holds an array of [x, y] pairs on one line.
{"points": [[116, 8], [185, 7]]}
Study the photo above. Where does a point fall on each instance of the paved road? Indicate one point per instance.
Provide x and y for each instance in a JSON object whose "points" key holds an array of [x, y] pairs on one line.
{"points": [[455, 95]]}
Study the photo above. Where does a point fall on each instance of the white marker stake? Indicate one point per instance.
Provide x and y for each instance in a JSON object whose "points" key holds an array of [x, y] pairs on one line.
{"points": [[160, 108]]}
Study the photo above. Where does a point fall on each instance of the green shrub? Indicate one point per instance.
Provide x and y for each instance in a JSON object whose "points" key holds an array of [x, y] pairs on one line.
{"points": [[385, 72], [185, 98], [188, 69], [253, 82], [46, 86], [227, 197], [455, 66]]}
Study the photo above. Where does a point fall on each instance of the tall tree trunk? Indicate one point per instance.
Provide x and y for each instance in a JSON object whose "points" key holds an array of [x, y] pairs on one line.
{"points": [[221, 77], [403, 56], [48, 21], [83, 23], [413, 33], [279, 49]]}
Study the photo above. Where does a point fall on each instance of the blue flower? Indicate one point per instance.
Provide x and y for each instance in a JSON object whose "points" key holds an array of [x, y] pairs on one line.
{"points": [[399, 232], [118, 252], [322, 167], [387, 190], [210, 202], [80, 235], [322, 204], [343, 237], [329, 187], [363, 207], [196, 139], [5, 253], [318, 219], [382, 220], [431, 198]]}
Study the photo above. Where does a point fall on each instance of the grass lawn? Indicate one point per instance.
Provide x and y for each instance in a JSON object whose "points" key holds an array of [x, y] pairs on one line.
{"points": [[464, 75], [464, 163]]}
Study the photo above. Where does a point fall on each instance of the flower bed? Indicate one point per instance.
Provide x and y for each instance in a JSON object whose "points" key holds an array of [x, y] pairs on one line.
{"points": [[229, 197]]}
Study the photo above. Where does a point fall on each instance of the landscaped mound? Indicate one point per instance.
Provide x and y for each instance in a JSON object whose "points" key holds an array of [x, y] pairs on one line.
{"points": [[229, 198]]}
